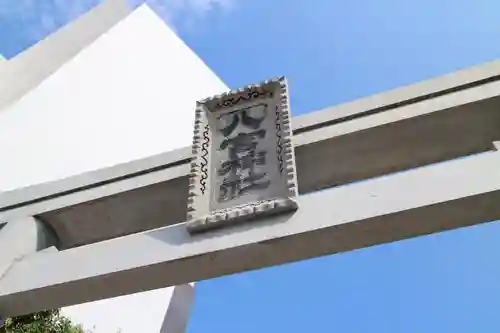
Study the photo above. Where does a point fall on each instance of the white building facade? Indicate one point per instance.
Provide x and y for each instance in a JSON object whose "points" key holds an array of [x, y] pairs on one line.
{"points": [[112, 87]]}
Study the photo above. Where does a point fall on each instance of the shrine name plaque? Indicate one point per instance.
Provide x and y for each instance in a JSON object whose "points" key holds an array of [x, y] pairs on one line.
{"points": [[243, 164]]}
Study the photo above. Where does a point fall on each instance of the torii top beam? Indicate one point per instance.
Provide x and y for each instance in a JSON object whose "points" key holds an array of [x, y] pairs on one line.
{"points": [[435, 121]]}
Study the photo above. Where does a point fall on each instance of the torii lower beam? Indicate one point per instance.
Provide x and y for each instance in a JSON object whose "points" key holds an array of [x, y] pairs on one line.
{"points": [[439, 197]]}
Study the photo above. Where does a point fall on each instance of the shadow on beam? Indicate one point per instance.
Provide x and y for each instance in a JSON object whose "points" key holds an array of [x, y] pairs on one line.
{"points": [[441, 197]]}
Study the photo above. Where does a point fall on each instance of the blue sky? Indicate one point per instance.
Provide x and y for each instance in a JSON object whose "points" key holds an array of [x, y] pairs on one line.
{"points": [[332, 51]]}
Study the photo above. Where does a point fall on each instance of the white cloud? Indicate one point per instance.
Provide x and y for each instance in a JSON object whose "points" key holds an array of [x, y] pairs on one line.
{"points": [[37, 18]]}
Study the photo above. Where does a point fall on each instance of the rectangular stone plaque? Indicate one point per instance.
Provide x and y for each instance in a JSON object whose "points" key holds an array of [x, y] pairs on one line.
{"points": [[243, 165]]}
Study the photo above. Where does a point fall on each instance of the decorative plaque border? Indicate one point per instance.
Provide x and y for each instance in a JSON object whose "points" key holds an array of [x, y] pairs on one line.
{"points": [[200, 213]]}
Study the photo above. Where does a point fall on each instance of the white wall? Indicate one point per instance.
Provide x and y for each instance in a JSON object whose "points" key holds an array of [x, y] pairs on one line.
{"points": [[158, 311], [137, 313], [130, 94]]}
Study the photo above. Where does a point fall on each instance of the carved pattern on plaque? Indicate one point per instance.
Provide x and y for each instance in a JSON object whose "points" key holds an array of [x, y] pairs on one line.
{"points": [[233, 135]]}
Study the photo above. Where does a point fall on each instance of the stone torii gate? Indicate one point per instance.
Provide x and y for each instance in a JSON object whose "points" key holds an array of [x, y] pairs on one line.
{"points": [[442, 132]]}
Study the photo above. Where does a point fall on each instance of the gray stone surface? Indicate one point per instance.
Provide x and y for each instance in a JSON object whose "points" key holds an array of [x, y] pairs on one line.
{"points": [[152, 192], [246, 135], [155, 195], [21, 238], [401, 96], [435, 198]]}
